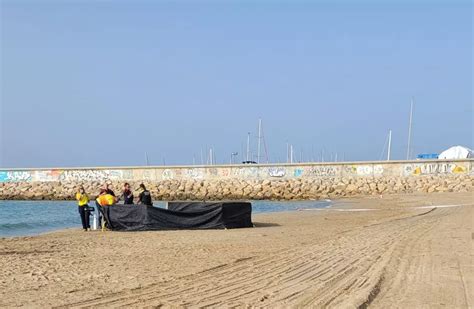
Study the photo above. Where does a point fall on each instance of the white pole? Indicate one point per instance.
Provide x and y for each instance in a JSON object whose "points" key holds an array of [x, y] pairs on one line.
{"points": [[389, 144], [291, 153], [146, 158], [409, 129], [248, 146], [259, 138]]}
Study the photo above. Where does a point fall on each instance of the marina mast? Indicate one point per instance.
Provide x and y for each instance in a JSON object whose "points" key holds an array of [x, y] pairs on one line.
{"points": [[389, 144], [409, 129], [259, 139], [248, 146]]}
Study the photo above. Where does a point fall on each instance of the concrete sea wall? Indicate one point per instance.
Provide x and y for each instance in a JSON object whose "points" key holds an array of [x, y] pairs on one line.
{"points": [[270, 181]]}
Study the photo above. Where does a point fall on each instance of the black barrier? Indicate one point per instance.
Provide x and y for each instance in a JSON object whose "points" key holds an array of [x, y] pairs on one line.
{"points": [[194, 215]]}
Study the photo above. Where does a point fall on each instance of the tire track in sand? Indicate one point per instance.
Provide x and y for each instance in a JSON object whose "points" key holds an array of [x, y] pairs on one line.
{"points": [[429, 269], [339, 272]]}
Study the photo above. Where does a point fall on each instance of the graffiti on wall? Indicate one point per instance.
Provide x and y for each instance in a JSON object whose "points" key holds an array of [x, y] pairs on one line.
{"points": [[252, 172], [91, 175], [148, 175], [276, 171], [61, 175], [364, 170], [434, 168], [245, 172], [212, 171], [15, 176], [167, 174], [237, 172], [224, 172], [194, 173], [321, 171], [298, 172], [52, 175]]}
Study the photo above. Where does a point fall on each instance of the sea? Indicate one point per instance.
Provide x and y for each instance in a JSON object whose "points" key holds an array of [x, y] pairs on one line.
{"points": [[27, 218]]}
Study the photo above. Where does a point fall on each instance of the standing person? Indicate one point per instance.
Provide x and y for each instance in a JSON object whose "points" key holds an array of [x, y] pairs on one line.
{"points": [[83, 205], [127, 194], [97, 206], [108, 190], [144, 198], [103, 199]]}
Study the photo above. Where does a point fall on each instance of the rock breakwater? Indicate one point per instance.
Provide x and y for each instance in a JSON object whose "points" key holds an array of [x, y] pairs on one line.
{"points": [[253, 189]]}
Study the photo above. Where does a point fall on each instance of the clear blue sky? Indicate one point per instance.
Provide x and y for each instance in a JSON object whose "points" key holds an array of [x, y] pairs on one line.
{"points": [[86, 83]]}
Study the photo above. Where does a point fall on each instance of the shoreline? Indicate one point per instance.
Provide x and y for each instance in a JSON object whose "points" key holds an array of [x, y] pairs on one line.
{"points": [[296, 258], [345, 203], [257, 205]]}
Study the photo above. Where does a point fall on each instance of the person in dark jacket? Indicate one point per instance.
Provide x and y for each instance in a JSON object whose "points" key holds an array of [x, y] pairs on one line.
{"points": [[127, 194], [144, 198], [108, 190]]}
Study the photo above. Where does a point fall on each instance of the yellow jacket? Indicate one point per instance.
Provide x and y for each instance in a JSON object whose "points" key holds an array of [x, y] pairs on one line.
{"points": [[106, 200], [82, 199]]}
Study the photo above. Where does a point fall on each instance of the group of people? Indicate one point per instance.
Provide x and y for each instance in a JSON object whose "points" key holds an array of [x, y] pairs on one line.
{"points": [[107, 197]]}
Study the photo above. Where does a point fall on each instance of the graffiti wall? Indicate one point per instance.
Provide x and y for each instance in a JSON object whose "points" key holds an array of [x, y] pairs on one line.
{"points": [[322, 171], [14, 176], [62, 175], [363, 170], [410, 169], [435, 168], [276, 171]]}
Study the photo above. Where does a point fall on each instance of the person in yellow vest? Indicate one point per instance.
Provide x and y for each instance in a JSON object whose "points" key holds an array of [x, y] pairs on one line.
{"points": [[104, 199], [83, 205]]}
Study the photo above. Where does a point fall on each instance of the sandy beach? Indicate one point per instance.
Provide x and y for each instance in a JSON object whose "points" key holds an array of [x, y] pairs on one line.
{"points": [[390, 251]]}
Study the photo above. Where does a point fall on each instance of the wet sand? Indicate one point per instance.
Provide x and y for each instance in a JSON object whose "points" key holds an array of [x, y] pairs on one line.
{"points": [[378, 252]]}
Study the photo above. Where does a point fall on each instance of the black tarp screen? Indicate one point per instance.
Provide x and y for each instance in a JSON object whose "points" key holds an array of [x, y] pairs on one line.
{"points": [[195, 215]]}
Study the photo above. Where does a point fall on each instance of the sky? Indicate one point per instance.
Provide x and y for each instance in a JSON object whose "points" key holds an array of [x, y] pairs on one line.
{"points": [[109, 83]]}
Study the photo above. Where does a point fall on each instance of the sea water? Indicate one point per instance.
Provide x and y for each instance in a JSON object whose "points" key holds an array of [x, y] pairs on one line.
{"points": [[22, 218]]}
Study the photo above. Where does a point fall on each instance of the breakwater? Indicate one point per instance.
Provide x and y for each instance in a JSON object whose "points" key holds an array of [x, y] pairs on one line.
{"points": [[268, 181]]}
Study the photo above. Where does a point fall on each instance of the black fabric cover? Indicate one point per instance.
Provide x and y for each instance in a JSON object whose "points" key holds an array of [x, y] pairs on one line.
{"points": [[187, 215]]}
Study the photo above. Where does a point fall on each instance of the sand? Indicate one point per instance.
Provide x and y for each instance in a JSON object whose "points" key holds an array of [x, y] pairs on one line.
{"points": [[380, 252]]}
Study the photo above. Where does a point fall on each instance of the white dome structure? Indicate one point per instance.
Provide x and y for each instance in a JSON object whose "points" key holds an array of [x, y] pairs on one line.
{"points": [[456, 152]]}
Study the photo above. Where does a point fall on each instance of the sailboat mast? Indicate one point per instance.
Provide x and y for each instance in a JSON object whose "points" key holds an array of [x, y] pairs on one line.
{"points": [[259, 139], [248, 146], [409, 129], [291, 153], [389, 144]]}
